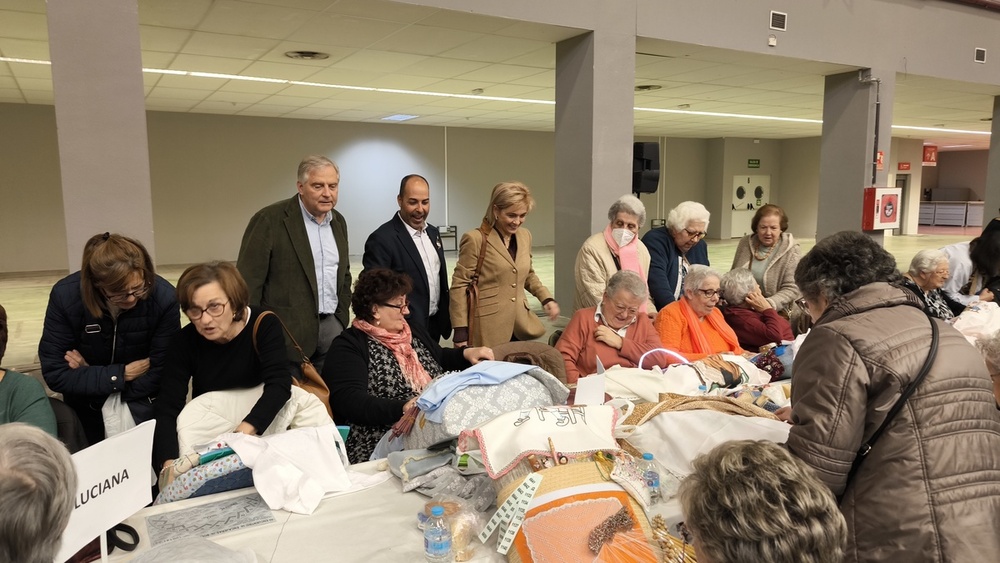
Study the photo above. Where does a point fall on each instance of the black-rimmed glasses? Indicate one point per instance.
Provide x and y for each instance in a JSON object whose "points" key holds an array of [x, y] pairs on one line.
{"points": [[123, 297], [404, 305], [214, 310], [710, 293]]}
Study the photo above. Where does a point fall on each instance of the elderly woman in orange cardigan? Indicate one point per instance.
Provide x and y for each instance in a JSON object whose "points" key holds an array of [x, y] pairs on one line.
{"points": [[616, 331], [693, 326]]}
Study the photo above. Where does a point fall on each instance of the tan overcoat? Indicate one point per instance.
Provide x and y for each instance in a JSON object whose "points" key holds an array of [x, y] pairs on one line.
{"points": [[503, 305]]}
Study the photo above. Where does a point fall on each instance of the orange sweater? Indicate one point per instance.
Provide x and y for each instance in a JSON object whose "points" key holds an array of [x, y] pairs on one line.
{"points": [[675, 334]]}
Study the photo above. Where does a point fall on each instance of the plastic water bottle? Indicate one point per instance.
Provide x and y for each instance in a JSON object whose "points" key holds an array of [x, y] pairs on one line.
{"points": [[651, 473], [437, 538]]}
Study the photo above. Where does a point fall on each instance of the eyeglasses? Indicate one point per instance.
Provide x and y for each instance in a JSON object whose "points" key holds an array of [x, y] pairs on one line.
{"points": [[214, 310], [122, 297], [801, 302], [710, 293], [630, 311], [695, 234], [404, 305]]}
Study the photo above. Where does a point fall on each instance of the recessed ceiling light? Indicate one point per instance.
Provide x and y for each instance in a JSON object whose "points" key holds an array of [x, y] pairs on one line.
{"points": [[986, 119], [647, 87], [400, 117], [307, 55], [684, 106], [477, 91]]}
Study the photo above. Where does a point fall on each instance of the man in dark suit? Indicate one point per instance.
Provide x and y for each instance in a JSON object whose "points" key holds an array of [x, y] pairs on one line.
{"points": [[294, 257], [406, 243]]}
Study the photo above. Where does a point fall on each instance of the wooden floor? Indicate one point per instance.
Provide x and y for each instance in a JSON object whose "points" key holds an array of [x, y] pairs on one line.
{"points": [[25, 295]]}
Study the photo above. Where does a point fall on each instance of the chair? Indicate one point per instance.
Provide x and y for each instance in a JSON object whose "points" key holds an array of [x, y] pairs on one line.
{"points": [[533, 353], [68, 427]]}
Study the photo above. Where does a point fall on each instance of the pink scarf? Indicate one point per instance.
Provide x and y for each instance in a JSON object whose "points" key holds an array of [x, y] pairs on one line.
{"points": [[698, 341], [402, 348], [628, 257]]}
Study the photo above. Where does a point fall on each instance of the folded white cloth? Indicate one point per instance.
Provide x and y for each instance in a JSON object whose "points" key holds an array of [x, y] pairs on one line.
{"points": [[294, 470], [216, 412]]}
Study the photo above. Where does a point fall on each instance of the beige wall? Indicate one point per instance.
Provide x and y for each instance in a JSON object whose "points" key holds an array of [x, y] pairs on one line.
{"points": [[210, 173], [799, 193], [964, 169], [31, 208], [478, 159]]}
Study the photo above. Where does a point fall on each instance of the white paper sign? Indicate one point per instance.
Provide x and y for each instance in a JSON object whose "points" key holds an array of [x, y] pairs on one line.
{"points": [[113, 479], [590, 390]]}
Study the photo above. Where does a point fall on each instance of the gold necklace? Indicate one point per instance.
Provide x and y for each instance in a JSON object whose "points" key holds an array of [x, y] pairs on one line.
{"points": [[756, 252]]}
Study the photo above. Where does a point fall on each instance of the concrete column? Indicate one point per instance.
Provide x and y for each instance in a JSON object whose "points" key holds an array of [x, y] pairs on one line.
{"points": [[101, 121], [847, 148], [992, 202], [595, 76]]}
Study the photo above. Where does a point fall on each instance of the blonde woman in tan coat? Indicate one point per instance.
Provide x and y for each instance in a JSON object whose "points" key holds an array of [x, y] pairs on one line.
{"points": [[503, 313]]}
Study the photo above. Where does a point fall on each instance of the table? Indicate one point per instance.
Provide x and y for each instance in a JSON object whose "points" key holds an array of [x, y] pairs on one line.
{"points": [[374, 524]]}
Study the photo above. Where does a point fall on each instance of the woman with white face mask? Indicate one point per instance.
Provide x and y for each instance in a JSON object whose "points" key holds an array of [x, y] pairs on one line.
{"points": [[615, 248]]}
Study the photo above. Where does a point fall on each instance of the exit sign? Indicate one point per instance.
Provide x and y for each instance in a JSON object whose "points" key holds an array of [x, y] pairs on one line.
{"points": [[753, 163]]}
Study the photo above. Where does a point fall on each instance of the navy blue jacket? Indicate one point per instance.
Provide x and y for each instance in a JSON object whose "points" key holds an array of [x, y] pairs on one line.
{"points": [[107, 345], [391, 246], [663, 255]]}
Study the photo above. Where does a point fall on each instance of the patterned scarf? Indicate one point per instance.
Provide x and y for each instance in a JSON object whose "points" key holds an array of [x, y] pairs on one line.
{"points": [[401, 344], [698, 341]]}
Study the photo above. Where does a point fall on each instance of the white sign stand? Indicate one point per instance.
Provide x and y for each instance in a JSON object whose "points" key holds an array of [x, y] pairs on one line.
{"points": [[113, 479]]}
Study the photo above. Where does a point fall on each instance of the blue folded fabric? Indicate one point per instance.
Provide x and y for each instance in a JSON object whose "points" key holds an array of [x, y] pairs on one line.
{"points": [[489, 372]]}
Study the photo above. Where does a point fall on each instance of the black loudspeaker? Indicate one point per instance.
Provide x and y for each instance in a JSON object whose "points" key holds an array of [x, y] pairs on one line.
{"points": [[645, 167]]}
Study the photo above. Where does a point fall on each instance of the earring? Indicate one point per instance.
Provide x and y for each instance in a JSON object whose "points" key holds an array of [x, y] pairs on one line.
{"points": [[377, 322]]}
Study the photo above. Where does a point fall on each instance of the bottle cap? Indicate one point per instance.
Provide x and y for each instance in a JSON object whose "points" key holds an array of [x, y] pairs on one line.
{"points": [[647, 456], [437, 510]]}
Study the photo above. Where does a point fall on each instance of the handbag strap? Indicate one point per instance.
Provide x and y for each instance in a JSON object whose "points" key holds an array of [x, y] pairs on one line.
{"points": [[482, 255], [866, 447], [256, 325], [474, 284]]}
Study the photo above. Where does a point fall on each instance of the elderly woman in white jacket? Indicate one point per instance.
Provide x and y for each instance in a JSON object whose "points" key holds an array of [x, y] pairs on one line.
{"points": [[615, 248]]}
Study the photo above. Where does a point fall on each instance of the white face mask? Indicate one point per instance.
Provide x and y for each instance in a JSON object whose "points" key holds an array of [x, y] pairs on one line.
{"points": [[622, 236]]}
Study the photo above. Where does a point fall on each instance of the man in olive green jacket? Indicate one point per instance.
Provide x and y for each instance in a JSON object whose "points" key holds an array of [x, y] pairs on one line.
{"points": [[295, 259]]}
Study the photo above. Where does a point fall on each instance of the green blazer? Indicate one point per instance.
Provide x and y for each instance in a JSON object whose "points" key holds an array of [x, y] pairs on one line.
{"points": [[276, 262]]}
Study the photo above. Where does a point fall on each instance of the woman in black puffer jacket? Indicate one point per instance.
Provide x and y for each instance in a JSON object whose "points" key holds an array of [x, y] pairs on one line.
{"points": [[107, 328]]}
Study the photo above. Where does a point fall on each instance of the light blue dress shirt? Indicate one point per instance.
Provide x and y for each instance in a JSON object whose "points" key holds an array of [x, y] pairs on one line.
{"points": [[326, 258]]}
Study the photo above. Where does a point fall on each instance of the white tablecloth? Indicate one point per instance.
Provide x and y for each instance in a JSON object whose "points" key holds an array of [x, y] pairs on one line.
{"points": [[375, 524]]}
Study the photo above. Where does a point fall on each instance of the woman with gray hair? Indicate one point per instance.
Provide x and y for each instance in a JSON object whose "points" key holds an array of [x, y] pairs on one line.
{"points": [[37, 484], [930, 481], [674, 249], [751, 316], [753, 501], [927, 275], [615, 248], [693, 326], [614, 331]]}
